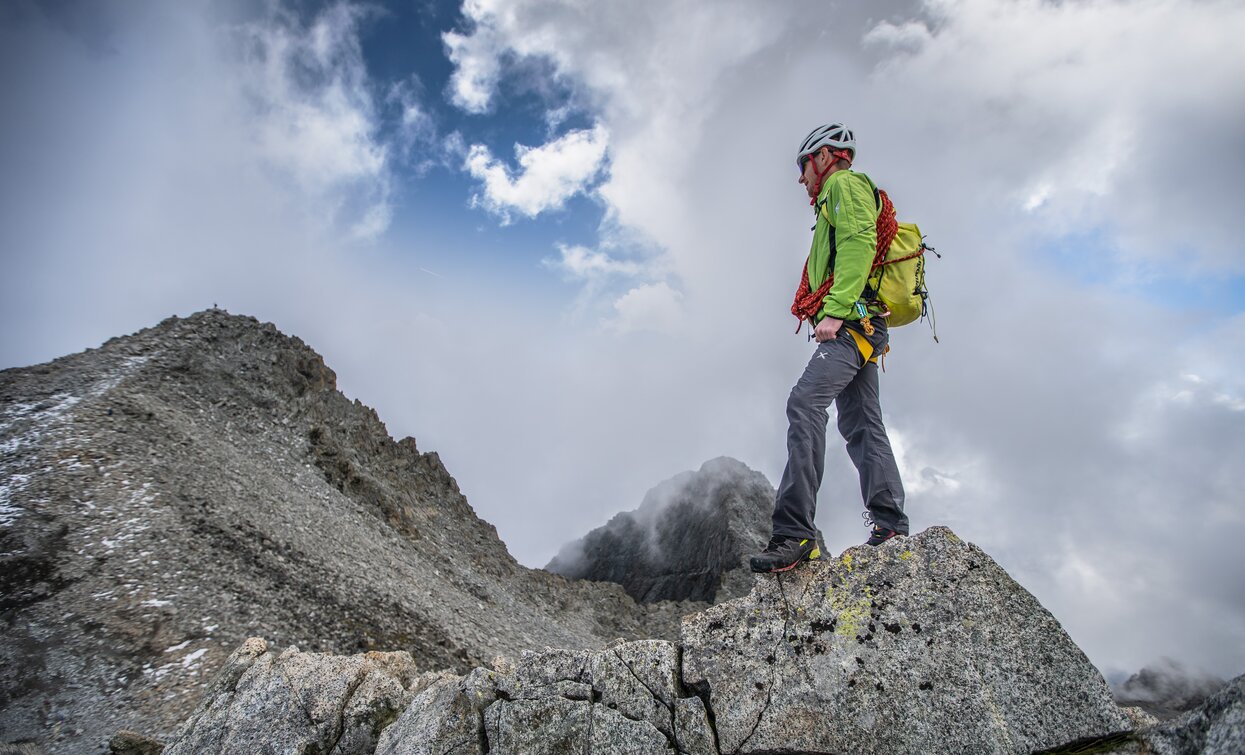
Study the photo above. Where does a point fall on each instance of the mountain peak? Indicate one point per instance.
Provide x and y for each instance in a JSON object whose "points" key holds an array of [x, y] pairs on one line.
{"points": [[174, 491], [687, 540]]}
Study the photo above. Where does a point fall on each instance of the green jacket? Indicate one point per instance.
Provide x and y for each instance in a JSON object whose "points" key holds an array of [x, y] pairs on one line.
{"points": [[846, 232]]}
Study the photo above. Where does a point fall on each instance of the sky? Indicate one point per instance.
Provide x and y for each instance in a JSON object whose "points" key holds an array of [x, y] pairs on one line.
{"points": [[556, 242]]}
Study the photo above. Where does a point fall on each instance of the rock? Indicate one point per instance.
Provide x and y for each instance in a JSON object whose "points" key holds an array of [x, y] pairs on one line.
{"points": [[1138, 718], [1166, 689], [299, 702], [689, 537], [542, 725], [692, 728], [235, 666], [616, 734], [1217, 727], [921, 645], [126, 742], [639, 680], [624, 699], [444, 718]]}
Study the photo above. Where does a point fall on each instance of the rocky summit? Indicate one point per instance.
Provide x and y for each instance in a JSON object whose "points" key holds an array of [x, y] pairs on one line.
{"points": [[174, 492], [688, 540], [923, 645]]}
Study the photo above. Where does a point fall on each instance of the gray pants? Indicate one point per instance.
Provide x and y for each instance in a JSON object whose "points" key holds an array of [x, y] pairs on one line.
{"points": [[837, 372]]}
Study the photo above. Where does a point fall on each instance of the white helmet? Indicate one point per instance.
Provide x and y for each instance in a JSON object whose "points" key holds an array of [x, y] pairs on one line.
{"points": [[836, 136]]}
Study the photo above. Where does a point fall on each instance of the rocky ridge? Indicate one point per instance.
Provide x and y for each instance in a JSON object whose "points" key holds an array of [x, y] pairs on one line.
{"points": [[923, 645], [176, 492], [168, 495]]}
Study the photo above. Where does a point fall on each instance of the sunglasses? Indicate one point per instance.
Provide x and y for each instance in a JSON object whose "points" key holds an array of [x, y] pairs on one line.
{"points": [[803, 160]]}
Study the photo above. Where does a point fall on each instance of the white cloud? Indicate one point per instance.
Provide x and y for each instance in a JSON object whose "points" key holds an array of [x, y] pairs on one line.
{"points": [[548, 175], [910, 36], [476, 68], [586, 264], [654, 307], [207, 154], [313, 114], [1113, 113], [416, 129]]}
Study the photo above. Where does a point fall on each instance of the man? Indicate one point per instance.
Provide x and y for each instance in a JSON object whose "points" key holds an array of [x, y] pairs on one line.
{"points": [[850, 329]]}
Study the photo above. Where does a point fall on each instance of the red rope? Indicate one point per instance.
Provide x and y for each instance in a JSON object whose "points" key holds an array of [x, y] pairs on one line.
{"points": [[808, 303]]}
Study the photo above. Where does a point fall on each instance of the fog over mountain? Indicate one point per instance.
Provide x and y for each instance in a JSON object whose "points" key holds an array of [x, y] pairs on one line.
{"points": [[688, 540], [1166, 688]]}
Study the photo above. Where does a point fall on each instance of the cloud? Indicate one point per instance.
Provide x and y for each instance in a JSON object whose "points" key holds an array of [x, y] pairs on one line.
{"points": [[910, 36], [476, 68], [548, 175], [416, 131], [313, 112], [205, 153], [586, 264], [655, 306], [1117, 113]]}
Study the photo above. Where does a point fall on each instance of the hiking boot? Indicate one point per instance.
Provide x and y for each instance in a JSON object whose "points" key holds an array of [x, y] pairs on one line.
{"points": [[881, 535], [784, 554]]}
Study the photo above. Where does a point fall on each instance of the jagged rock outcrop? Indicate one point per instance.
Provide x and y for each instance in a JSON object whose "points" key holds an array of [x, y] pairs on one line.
{"points": [[688, 540], [624, 699], [923, 645], [300, 702], [168, 495], [1216, 727]]}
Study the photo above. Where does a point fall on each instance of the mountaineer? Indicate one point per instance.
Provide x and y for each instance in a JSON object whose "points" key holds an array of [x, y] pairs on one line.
{"points": [[839, 298]]}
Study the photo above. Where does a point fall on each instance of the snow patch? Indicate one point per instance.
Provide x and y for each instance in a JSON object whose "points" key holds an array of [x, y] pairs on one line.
{"points": [[9, 511]]}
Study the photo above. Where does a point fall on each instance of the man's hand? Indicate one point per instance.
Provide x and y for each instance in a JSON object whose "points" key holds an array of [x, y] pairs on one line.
{"points": [[827, 329]]}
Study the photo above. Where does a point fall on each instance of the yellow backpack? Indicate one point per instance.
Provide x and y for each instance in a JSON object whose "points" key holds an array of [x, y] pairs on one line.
{"points": [[899, 281]]}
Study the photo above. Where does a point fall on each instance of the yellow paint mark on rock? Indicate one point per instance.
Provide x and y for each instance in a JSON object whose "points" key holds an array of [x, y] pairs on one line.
{"points": [[905, 556], [847, 561]]}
